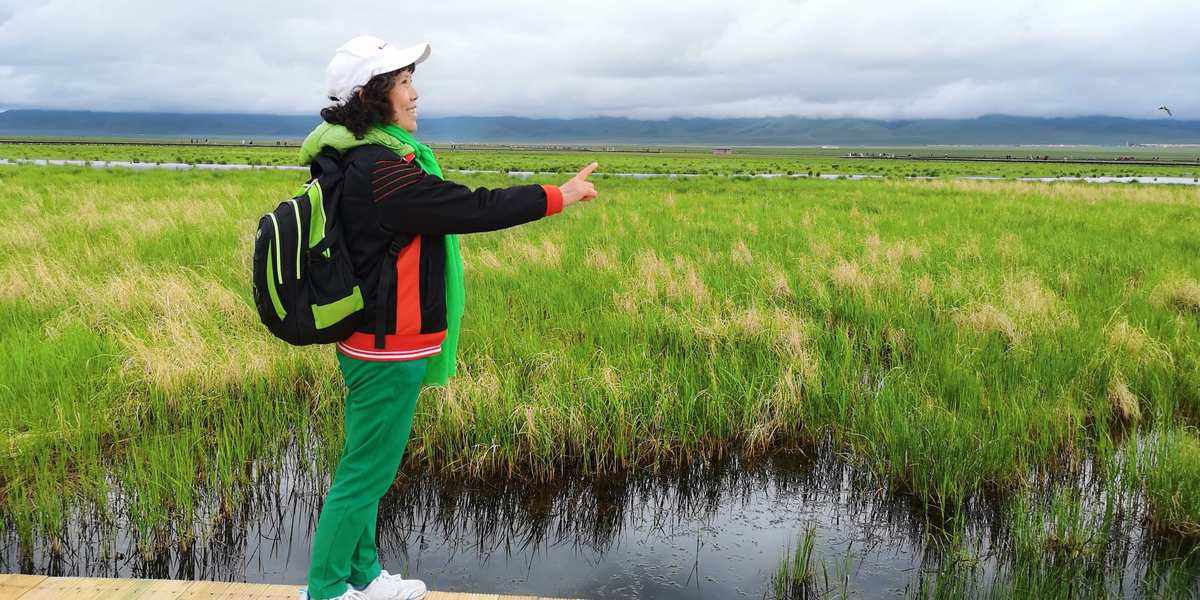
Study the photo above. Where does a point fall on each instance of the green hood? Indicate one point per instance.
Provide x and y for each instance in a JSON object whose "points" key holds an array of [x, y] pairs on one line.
{"points": [[442, 366], [341, 139]]}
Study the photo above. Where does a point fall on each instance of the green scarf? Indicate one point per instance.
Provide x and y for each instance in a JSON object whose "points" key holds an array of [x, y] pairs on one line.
{"points": [[441, 366]]}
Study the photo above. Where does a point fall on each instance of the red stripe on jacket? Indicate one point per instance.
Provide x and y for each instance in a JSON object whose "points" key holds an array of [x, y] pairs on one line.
{"points": [[407, 197]]}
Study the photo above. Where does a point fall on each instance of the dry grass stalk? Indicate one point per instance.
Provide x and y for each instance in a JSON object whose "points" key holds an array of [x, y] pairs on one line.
{"points": [[654, 279], [1181, 294], [1027, 307], [1009, 246], [924, 286], [40, 281], [611, 382], [626, 302], [547, 253], [777, 283], [969, 251], [1036, 305], [1137, 345], [985, 318], [847, 276], [773, 418], [897, 338], [1066, 282], [486, 259], [740, 253], [1124, 402], [600, 259], [1066, 191], [693, 286], [1028, 297], [819, 249], [23, 235], [877, 251]]}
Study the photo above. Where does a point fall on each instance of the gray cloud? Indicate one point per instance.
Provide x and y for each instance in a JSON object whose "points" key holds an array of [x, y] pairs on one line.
{"points": [[932, 58]]}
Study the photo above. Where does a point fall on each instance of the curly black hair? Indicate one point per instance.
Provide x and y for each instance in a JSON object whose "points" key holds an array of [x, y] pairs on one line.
{"points": [[370, 108]]}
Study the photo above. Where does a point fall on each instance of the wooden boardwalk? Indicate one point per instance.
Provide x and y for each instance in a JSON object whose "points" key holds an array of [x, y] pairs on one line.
{"points": [[40, 587]]}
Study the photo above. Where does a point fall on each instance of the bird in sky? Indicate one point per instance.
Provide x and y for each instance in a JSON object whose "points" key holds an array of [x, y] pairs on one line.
{"points": [[1166, 109]]}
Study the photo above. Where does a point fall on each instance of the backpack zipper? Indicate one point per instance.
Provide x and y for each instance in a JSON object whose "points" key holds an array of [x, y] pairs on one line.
{"points": [[299, 234], [275, 244]]}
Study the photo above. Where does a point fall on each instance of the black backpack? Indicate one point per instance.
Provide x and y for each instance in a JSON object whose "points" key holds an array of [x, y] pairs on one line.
{"points": [[304, 284]]}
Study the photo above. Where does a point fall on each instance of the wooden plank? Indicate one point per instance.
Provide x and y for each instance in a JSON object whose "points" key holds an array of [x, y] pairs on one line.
{"points": [[239, 591], [158, 589], [58, 587], [38, 587], [79, 588], [204, 590], [278, 592], [107, 589], [12, 586]]}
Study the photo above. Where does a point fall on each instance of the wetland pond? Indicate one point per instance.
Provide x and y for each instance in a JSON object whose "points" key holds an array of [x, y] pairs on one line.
{"points": [[718, 530], [174, 166]]}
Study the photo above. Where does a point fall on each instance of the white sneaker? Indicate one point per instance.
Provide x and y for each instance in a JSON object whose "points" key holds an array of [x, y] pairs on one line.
{"points": [[392, 587], [349, 594]]}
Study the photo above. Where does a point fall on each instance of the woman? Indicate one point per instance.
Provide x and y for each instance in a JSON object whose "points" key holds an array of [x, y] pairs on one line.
{"points": [[399, 218]]}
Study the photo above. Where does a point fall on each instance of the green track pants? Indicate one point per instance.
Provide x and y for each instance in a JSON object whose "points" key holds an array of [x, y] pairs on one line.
{"points": [[379, 413]]}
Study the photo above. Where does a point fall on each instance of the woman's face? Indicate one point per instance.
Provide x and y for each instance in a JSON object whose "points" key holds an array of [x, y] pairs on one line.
{"points": [[404, 101]]}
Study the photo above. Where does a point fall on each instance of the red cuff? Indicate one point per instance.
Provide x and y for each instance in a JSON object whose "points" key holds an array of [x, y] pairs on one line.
{"points": [[553, 199]]}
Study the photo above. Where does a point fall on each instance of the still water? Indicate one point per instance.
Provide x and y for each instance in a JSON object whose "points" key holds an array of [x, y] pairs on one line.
{"points": [[717, 530], [107, 164]]}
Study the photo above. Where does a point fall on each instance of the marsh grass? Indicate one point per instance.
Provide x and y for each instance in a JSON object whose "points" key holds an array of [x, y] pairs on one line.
{"points": [[795, 578], [957, 341], [1170, 473]]}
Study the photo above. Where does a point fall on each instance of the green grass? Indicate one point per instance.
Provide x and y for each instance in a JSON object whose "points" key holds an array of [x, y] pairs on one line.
{"points": [[960, 340], [1170, 472], [1067, 542], [790, 161], [795, 578]]}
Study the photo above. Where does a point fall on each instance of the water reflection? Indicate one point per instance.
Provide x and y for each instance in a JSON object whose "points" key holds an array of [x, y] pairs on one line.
{"points": [[718, 529]]}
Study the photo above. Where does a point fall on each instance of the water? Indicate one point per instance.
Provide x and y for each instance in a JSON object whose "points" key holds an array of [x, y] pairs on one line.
{"points": [[717, 530], [109, 164], [141, 166]]}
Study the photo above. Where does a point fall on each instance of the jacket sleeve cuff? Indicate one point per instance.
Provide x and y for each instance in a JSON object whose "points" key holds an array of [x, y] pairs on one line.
{"points": [[553, 199]]}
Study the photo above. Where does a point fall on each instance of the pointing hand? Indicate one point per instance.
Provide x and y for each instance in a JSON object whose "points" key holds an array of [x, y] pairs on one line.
{"points": [[578, 187]]}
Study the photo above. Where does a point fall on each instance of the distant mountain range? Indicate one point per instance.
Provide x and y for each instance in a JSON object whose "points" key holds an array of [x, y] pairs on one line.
{"points": [[771, 131]]}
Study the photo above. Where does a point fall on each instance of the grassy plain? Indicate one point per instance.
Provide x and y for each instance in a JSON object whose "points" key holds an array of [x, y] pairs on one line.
{"points": [[784, 160], [965, 341]]}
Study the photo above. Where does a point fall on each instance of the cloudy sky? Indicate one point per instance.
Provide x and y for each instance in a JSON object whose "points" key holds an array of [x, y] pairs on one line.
{"points": [[562, 58]]}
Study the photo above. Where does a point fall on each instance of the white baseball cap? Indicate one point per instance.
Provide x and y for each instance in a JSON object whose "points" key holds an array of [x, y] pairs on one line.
{"points": [[360, 59]]}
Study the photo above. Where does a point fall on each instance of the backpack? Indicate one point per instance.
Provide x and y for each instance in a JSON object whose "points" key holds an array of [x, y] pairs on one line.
{"points": [[304, 284]]}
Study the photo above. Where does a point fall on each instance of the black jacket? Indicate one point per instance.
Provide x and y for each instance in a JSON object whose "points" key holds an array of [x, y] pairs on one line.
{"points": [[389, 203]]}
